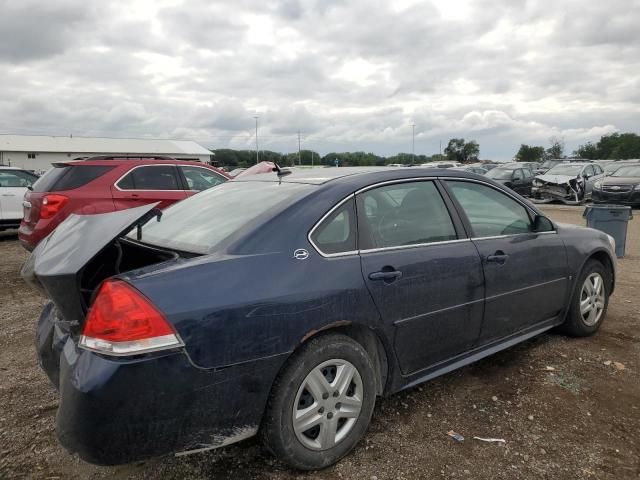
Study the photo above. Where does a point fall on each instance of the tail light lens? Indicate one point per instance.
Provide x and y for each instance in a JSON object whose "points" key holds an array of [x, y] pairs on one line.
{"points": [[52, 204], [122, 321]]}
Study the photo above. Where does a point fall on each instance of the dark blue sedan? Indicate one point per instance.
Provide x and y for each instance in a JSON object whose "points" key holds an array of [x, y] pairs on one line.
{"points": [[285, 304]]}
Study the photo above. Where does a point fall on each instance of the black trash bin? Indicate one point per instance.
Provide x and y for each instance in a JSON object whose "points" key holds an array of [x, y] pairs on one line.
{"points": [[611, 219]]}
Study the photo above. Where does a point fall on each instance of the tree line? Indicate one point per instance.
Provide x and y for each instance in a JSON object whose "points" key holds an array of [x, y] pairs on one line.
{"points": [[456, 150], [615, 146], [612, 146]]}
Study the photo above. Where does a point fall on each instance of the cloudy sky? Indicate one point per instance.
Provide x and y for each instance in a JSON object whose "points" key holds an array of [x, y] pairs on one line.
{"points": [[349, 75]]}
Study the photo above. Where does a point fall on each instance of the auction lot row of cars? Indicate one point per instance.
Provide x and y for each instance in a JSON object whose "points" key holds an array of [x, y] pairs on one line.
{"points": [[283, 303]]}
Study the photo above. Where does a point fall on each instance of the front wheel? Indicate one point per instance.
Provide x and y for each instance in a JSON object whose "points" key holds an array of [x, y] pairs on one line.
{"points": [[321, 404], [590, 301]]}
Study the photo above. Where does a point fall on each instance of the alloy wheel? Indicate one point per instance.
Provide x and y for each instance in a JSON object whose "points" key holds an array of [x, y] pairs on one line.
{"points": [[592, 299], [327, 404]]}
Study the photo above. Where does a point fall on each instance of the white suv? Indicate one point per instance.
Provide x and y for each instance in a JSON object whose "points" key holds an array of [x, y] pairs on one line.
{"points": [[14, 183]]}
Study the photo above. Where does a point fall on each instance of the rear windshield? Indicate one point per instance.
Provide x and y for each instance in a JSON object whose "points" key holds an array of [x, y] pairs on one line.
{"points": [[69, 177], [202, 222]]}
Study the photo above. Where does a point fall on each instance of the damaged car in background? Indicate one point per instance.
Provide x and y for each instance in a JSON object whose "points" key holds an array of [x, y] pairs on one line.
{"points": [[570, 183], [285, 303]]}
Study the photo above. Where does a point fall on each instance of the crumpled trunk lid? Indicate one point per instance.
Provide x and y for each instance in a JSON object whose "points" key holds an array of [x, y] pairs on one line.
{"points": [[55, 265]]}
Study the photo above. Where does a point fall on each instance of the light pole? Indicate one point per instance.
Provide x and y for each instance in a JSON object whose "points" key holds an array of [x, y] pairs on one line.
{"points": [[413, 143], [257, 155]]}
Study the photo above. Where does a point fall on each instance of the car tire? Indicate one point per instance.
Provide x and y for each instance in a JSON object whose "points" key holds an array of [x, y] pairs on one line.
{"points": [[329, 430], [589, 302]]}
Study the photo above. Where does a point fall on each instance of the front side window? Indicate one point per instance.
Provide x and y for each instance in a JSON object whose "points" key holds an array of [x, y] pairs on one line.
{"points": [[199, 178], [403, 214], [490, 212], [157, 177], [337, 233]]}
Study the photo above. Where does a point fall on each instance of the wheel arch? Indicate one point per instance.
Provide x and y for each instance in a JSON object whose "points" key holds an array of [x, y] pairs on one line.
{"points": [[370, 340], [605, 259]]}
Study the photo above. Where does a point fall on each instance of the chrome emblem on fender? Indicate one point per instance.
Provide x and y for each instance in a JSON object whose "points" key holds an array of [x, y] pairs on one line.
{"points": [[300, 254]]}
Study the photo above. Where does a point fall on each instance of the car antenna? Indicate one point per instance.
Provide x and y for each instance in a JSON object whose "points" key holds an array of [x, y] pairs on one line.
{"points": [[280, 172]]}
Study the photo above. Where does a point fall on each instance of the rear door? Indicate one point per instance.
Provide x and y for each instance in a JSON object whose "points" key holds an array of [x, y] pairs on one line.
{"points": [[424, 276], [526, 273], [148, 184]]}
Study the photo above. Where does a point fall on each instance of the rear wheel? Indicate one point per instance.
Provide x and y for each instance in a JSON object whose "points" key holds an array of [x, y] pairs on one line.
{"points": [[321, 404], [590, 301]]}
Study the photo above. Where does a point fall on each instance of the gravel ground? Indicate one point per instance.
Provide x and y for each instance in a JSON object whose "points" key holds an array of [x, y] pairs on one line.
{"points": [[567, 408]]}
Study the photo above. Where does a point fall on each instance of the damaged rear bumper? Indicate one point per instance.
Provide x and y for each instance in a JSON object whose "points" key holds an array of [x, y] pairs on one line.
{"points": [[120, 410]]}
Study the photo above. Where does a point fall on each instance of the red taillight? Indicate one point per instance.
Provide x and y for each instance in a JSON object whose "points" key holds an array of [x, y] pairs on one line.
{"points": [[122, 321], [52, 204]]}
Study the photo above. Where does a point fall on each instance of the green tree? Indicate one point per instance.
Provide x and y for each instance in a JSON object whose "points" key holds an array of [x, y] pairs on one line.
{"points": [[529, 154], [461, 151], [556, 150], [616, 146], [588, 151]]}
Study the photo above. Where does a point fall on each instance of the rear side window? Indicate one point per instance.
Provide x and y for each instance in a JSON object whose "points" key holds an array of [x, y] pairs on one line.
{"points": [[16, 178], [69, 177], [337, 232], [151, 177]]}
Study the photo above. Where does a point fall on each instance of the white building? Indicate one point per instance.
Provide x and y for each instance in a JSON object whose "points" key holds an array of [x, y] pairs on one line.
{"points": [[38, 152]]}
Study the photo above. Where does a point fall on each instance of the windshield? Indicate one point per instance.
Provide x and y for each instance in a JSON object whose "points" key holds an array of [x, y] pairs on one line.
{"points": [[549, 163], [200, 223], [630, 171], [565, 169], [612, 167], [499, 173]]}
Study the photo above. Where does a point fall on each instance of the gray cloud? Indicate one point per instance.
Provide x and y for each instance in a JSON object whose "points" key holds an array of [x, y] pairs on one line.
{"points": [[347, 75]]}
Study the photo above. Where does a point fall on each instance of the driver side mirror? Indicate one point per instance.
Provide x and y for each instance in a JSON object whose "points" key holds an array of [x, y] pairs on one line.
{"points": [[542, 224]]}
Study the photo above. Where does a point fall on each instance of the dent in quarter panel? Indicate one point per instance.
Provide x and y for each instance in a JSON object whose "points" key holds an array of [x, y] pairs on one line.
{"points": [[235, 309]]}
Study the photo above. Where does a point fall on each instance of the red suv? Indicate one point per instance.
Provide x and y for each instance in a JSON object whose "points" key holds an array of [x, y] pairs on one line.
{"points": [[105, 184]]}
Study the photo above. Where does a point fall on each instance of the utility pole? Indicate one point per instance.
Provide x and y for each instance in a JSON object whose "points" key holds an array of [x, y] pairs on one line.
{"points": [[257, 154], [440, 149], [299, 158], [413, 143]]}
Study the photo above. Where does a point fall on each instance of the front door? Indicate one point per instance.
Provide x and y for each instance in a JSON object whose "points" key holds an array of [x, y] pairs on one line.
{"points": [[526, 272], [425, 280]]}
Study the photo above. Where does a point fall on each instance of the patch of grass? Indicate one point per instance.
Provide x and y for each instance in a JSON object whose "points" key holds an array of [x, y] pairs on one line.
{"points": [[565, 380]]}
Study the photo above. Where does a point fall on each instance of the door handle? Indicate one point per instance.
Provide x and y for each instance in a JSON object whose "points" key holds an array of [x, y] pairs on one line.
{"points": [[386, 275], [499, 257]]}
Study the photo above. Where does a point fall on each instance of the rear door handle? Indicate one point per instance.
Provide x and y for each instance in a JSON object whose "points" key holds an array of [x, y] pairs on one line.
{"points": [[499, 257], [386, 275]]}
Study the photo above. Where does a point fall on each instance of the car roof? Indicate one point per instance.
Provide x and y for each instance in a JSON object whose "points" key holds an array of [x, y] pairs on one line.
{"points": [[320, 176], [137, 160], [7, 167]]}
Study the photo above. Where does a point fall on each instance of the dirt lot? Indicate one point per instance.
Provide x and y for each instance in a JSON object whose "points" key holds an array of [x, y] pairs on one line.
{"points": [[579, 420]]}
